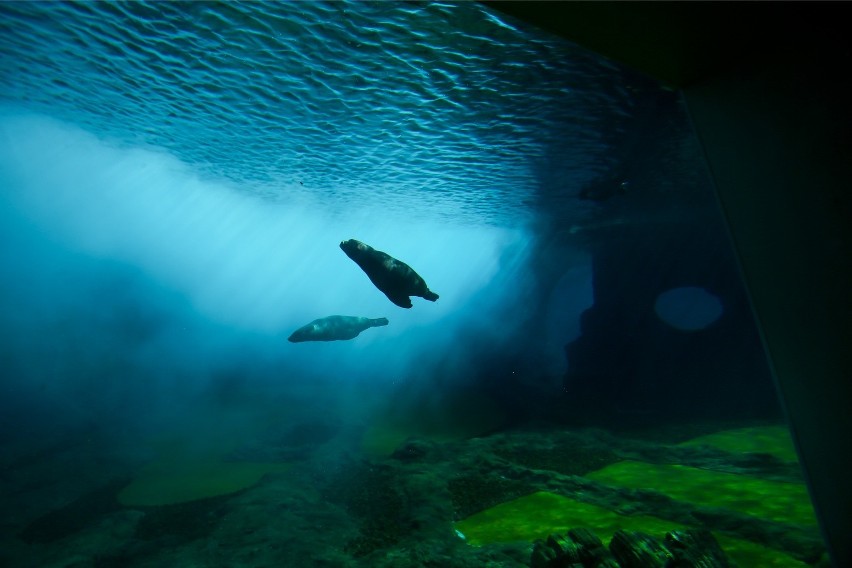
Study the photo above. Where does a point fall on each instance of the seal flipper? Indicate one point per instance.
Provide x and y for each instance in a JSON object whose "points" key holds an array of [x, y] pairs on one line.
{"points": [[401, 300], [430, 295]]}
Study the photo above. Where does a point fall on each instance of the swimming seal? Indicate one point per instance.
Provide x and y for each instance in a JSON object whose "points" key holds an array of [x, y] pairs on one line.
{"points": [[334, 328], [393, 277]]}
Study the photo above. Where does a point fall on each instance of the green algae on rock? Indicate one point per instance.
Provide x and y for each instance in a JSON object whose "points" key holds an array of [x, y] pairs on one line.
{"points": [[164, 483], [773, 440], [540, 514], [773, 500]]}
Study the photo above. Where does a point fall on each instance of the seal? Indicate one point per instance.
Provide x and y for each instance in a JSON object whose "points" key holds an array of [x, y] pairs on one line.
{"points": [[334, 328], [393, 277]]}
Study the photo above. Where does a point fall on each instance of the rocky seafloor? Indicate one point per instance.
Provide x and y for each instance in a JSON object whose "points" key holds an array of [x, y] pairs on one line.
{"points": [[417, 506]]}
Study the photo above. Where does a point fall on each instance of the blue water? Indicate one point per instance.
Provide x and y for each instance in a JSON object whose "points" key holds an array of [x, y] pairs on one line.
{"points": [[375, 102], [175, 179], [225, 149]]}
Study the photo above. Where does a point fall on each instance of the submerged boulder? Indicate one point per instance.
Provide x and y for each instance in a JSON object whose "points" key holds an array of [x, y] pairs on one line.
{"points": [[581, 548], [634, 549]]}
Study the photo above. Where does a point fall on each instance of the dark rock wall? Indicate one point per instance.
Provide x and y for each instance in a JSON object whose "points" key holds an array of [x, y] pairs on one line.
{"points": [[629, 363]]}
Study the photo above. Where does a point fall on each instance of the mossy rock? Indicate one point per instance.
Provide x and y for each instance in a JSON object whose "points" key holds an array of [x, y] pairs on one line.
{"points": [[74, 516], [183, 522], [370, 494], [774, 440], [472, 493], [567, 461], [537, 515], [456, 416], [746, 553], [773, 500], [169, 483]]}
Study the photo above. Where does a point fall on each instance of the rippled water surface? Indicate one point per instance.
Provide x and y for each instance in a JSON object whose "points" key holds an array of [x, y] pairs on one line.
{"points": [[351, 102]]}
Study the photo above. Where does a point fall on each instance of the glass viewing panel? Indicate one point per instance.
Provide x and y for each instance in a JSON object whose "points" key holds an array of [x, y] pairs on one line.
{"points": [[558, 342]]}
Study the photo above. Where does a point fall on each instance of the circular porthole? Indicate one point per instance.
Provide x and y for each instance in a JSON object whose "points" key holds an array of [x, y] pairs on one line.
{"points": [[688, 308]]}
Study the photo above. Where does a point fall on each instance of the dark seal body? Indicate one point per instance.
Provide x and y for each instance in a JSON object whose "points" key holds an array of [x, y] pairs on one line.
{"points": [[393, 277], [334, 328]]}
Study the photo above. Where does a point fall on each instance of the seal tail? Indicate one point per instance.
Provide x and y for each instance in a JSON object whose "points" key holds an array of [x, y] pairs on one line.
{"points": [[430, 295], [379, 321]]}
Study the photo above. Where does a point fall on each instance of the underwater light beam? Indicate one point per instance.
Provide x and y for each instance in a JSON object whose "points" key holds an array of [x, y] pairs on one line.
{"points": [[248, 268]]}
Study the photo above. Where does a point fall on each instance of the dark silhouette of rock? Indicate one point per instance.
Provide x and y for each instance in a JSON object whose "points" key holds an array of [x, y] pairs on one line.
{"points": [[628, 366]]}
